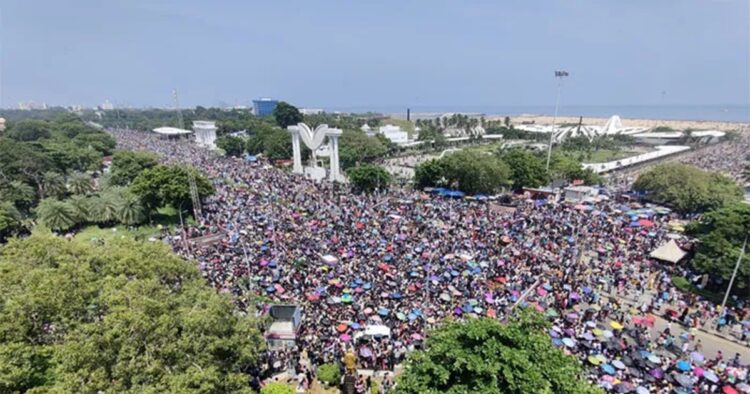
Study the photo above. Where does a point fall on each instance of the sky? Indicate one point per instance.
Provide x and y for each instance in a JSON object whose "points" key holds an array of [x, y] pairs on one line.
{"points": [[375, 54]]}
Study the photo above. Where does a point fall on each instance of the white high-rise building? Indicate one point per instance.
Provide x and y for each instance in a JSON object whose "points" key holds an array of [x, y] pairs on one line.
{"points": [[107, 106], [394, 133], [205, 133]]}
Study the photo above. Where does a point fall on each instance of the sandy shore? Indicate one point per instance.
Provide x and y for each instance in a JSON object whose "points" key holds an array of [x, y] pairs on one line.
{"points": [[675, 124]]}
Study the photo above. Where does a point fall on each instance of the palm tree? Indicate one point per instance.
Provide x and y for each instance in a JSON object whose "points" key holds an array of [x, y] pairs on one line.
{"points": [[80, 183], [82, 207], [130, 210], [53, 184], [103, 208], [56, 214]]}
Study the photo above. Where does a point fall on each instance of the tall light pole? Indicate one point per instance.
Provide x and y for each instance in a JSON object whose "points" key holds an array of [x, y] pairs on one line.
{"points": [[559, 75], [722, 313]]}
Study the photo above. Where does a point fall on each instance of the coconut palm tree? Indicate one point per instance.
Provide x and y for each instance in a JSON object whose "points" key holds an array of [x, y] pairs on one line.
{"points": [[82, 207], [103, 208], [53, 184], [56, 214], [130, 210], [80, 183], [10, 219]]}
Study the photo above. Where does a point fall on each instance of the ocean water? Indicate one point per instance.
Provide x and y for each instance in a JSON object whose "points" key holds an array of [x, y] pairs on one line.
{"points": [[721, 113]]}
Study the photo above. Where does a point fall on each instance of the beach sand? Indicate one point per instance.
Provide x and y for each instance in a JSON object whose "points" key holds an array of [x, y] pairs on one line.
{"points": [[650, 123]]}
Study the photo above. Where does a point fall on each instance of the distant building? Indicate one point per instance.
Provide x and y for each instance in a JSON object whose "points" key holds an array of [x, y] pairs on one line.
{"points": [[394, 133], [107, 106], [264, 106], [310, 111], [2, 124]]}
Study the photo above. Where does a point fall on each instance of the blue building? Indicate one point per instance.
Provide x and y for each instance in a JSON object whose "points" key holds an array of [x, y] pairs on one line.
{"points": [[264, 106]]}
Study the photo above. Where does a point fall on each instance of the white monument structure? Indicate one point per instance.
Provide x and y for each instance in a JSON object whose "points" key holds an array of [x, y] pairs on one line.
{"points": [[313, 139], [205, 133]]}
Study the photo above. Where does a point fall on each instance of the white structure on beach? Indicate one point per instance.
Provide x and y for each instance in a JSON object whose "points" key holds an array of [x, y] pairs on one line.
{"points": [[613, 126], [394, 134], [205, 133], [313, 139]]}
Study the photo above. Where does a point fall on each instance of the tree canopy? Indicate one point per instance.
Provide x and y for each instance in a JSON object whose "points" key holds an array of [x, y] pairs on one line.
{"points": [[286, 115], [486, 357], [687, 189], [126, 165], [469, 171], [356, 147], [168, 185], [124, 317], [232, 146], [527, 169], [720, 235], [368, 177]]}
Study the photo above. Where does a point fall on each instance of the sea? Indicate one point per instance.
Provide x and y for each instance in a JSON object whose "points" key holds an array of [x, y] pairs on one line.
{"points": [[718, 113]]}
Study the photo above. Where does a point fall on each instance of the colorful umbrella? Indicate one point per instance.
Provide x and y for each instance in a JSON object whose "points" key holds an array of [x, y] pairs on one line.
{"points": [[345, 338], [608, 369], [683, 365]]}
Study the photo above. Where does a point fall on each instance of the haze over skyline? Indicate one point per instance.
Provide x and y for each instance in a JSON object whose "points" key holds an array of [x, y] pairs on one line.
{"points": [[337, 54]]}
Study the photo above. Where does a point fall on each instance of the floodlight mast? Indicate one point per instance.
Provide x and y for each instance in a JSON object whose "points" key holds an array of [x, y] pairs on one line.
{"points": [[560, 75]]}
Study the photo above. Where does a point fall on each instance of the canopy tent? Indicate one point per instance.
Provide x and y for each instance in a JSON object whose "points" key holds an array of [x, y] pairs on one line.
{"points": [[169, 131], [669, 252]]}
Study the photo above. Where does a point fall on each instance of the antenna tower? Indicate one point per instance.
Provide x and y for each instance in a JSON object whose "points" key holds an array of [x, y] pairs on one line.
{"points": [[194, 196]]}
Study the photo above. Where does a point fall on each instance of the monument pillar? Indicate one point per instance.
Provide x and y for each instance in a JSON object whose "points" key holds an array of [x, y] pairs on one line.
{"points": [[297, 168], [333, 136]]}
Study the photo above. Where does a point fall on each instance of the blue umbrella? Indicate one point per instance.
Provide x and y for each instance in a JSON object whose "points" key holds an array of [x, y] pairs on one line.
{"points": [[384, 311], [557, 342], [683, 365], [417, 312], [355, 326], [547, 287], [367, 286], [635, 224], [413, 274], [454, 273], [608, 369], [396, 296], [270, 289], [412, 317], [468, 308], [388, 257]]}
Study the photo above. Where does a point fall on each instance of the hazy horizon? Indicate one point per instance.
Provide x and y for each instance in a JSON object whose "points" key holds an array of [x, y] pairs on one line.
{"points": [[335, 54]]}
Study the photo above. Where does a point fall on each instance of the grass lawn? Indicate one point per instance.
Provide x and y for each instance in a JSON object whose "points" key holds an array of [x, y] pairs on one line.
{"points": [[600, 156], [166, 216]]}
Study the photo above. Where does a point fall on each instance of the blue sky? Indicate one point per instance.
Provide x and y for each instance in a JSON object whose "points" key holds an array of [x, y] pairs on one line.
{"points": [[375, 53]]}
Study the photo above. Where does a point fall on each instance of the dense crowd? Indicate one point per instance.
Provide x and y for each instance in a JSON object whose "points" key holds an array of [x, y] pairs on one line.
{"points": [[406, 260], [730, 158]]}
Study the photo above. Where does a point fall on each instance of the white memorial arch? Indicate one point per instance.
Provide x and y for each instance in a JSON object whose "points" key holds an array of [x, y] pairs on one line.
{"points": [[313, 139]]}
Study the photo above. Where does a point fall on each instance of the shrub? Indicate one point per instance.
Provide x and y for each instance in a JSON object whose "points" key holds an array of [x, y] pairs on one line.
{"points": [[329, 374], [277, 388]]}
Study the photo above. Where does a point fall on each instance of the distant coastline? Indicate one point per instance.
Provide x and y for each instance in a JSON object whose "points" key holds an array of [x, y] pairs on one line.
{"points": [[705, 113]]}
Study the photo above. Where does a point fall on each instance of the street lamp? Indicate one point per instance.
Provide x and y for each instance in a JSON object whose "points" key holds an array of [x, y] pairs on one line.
{"points": [[559, 75], [722, 313]]}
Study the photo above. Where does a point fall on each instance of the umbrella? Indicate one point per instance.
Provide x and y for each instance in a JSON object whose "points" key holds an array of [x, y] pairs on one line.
{"points": [[345, 338], [642, 390], [384, 311], [342, 327], [396, 296], [697, 357], [608, 369], [416, 337], [401, 316], [355, 326], [710, 376], [445, 297], [346, 298], [683, 365], [587, 336], [551, 313], [743, 387], [607, 334], [365, 352], [616, 325], [655, 359], [623, 387], [594, 360], [569, 342], [683, 380], [657, 373], [557, 342], [618, 364], [729, 390]]}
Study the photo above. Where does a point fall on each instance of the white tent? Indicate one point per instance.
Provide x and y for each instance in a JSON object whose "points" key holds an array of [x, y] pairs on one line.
{"points": [[669, 252], [171, 131]]}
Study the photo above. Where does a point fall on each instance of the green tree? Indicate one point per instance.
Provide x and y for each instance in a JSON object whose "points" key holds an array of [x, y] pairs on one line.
{"points": [[31, 130], [53, 184], [56, 214], [286, 115], [687, 189], [103, 208], [126, 165], [81, 206], [10, 219], [130, 210], [356, 147], [527, 169], [368, 177], [80, 183], [484, 356], [101, 142], [232, 146], [569, 169], [430, 173], [67, 156], [474, 172], [168, 185], [720, 236], [18, 193], [278, 145], [277, 388], [122, 317]]}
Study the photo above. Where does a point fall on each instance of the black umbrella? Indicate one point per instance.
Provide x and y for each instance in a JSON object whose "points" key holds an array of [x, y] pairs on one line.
{"points": [[627, 361]]}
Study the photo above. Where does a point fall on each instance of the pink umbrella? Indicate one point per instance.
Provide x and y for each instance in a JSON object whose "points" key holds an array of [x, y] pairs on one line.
{"points": [[541, 291], [698, 371], [279, 289], [345, 337], [416, 337], [367, 311]]}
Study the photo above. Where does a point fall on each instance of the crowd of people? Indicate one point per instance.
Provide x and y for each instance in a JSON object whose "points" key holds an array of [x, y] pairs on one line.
{"points": [[407, 259]]}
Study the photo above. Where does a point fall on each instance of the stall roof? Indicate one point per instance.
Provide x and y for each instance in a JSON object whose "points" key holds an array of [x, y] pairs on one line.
{"points": [[669, 252], [171, 131]]}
